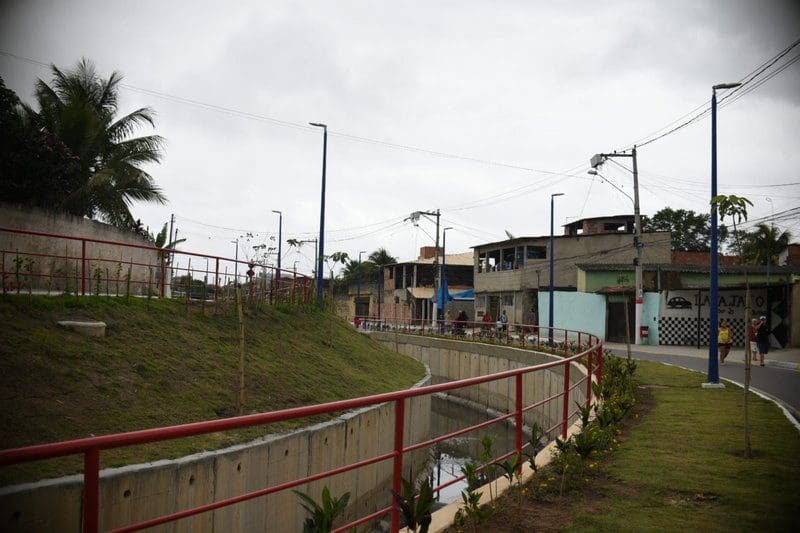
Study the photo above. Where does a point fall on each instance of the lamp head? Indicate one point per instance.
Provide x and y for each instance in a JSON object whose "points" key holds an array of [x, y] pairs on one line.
{"points": [[556, 194], [276, 211], [592, 172], [726, 86], [318, 124]]}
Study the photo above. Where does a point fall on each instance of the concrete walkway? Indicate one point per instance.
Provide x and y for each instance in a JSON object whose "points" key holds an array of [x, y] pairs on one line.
{"points": [[783, 358]]}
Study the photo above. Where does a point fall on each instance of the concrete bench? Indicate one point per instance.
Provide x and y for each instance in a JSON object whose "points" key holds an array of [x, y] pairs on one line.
{"points": [[90, 328]]}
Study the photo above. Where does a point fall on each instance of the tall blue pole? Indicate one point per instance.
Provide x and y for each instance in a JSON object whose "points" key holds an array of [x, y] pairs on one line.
{"points": [[713, 366], [552, 286], [321, 251]]}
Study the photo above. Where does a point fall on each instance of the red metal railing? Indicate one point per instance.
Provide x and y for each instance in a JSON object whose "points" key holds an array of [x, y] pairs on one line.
{"points": [[92, 447], [156, 270], [564, 341]]}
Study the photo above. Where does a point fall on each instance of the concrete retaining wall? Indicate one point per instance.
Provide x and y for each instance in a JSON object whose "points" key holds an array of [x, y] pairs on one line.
{"points": [[117, 259], [140, 492], [451, 360]]}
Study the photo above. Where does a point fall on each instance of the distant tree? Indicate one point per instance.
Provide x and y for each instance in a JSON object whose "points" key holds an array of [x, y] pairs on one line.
{"points": [[104, 176], [381, 257], [350, 272], [691, 232], [36, 167], [763, 245]]}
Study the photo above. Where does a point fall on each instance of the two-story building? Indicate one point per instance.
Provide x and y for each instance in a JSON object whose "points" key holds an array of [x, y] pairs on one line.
{"points": [[509, 274], [409, 286]]}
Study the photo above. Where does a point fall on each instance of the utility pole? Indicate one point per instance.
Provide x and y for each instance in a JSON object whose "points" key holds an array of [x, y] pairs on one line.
{"points": [[414, 217], [596, 161]]}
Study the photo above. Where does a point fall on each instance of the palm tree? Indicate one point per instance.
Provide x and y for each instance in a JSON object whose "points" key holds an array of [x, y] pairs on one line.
{"points": [[80, 108], [764, 244], [381, 258]]}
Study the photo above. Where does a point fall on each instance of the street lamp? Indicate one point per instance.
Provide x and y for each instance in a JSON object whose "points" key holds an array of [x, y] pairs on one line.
{"points": [[552, 253], [596, 161], [593, 172], [236, 264], [442, 276], [280, 228], [358, 284], [321, 251], [713, 330]]}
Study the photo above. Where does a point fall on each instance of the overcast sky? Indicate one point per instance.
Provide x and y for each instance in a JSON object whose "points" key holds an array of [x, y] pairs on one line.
{"points": [[514, 97]]}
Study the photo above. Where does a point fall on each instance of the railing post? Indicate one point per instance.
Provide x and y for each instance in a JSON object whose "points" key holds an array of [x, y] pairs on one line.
{"points": [[566, 340], [565, 419], [518, 416], [397, 470], [599, 364], [91, 490], [589, 378], [163, 273], [83, 267], [216, 280]]}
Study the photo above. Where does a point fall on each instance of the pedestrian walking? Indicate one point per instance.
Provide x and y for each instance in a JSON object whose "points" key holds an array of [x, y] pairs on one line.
{"points": [[724, 340]]}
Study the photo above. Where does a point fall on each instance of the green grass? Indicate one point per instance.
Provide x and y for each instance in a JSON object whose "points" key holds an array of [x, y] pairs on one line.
{"points": [[163, 364], [682, 469]]}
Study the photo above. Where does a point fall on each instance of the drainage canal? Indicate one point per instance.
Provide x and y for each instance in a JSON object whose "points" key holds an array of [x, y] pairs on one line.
{"points": [[449, 456]]}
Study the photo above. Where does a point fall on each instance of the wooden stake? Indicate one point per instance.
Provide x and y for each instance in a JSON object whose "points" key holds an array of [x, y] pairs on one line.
{"points": [[240, 400]]}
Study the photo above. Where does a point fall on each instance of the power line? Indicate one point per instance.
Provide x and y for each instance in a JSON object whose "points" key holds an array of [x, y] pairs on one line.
{"points": [[706, 107]]}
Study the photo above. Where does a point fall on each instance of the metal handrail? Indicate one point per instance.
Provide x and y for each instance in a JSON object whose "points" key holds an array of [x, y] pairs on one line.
{"points": [[285, 283], [91, 447]]}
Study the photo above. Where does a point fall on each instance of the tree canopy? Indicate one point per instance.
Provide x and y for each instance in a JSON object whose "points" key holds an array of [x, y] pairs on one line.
{"points": [[75, 154], [691, 232], [763, 245]]}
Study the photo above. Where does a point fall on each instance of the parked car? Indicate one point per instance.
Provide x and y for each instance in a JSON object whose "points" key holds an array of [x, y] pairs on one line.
{"points": [[679, 302]]}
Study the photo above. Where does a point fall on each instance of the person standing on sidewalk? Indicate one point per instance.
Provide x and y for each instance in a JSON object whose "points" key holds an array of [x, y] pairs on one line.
{"points": [[762, 338], [753, 339], [724, 340]]}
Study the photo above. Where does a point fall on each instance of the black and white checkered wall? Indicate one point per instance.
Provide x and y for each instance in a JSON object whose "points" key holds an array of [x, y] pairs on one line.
{"points": [[683, 330]]}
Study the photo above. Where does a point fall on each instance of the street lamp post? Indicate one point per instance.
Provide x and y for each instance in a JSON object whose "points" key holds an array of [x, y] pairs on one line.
{"points": [[321, 250], [236, 264], [358, 285], [596, 161], [280, 236], [713, 330], [552, 285], [442, 277]]}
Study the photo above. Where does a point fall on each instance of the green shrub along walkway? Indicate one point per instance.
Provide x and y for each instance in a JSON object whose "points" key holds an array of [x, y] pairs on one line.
{"points": [[676, 465], [162, 363]]}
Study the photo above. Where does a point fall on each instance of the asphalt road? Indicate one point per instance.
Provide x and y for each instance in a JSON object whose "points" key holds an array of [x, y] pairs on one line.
{"points": [[780, 383]]}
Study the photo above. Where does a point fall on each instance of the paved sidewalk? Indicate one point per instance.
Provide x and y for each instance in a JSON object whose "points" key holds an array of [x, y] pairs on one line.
{"points": [[783, 358]]}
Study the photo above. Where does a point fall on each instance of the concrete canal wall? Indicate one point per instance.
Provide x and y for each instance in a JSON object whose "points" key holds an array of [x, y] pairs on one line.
{"points": [[451, 360], [139, 492]]}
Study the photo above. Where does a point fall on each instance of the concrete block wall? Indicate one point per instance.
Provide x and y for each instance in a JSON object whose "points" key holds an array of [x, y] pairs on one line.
{"points": [[451, 360], [139, 492], [146, 263]]}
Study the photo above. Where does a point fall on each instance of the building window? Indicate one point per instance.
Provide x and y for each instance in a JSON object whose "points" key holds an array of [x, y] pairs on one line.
{"points": [[508, 300], [537, 252], [520, 260]]}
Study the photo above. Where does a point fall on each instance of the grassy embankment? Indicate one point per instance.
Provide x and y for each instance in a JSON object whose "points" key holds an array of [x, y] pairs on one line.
{"points": [[162, 363], [677, 466]]}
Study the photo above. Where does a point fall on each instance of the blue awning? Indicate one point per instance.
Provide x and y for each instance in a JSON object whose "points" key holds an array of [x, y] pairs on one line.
{"points": [[468, 294]]}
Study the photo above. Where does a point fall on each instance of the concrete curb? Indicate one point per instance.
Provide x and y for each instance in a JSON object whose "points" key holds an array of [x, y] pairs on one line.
{"points": [[783, 364]]}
